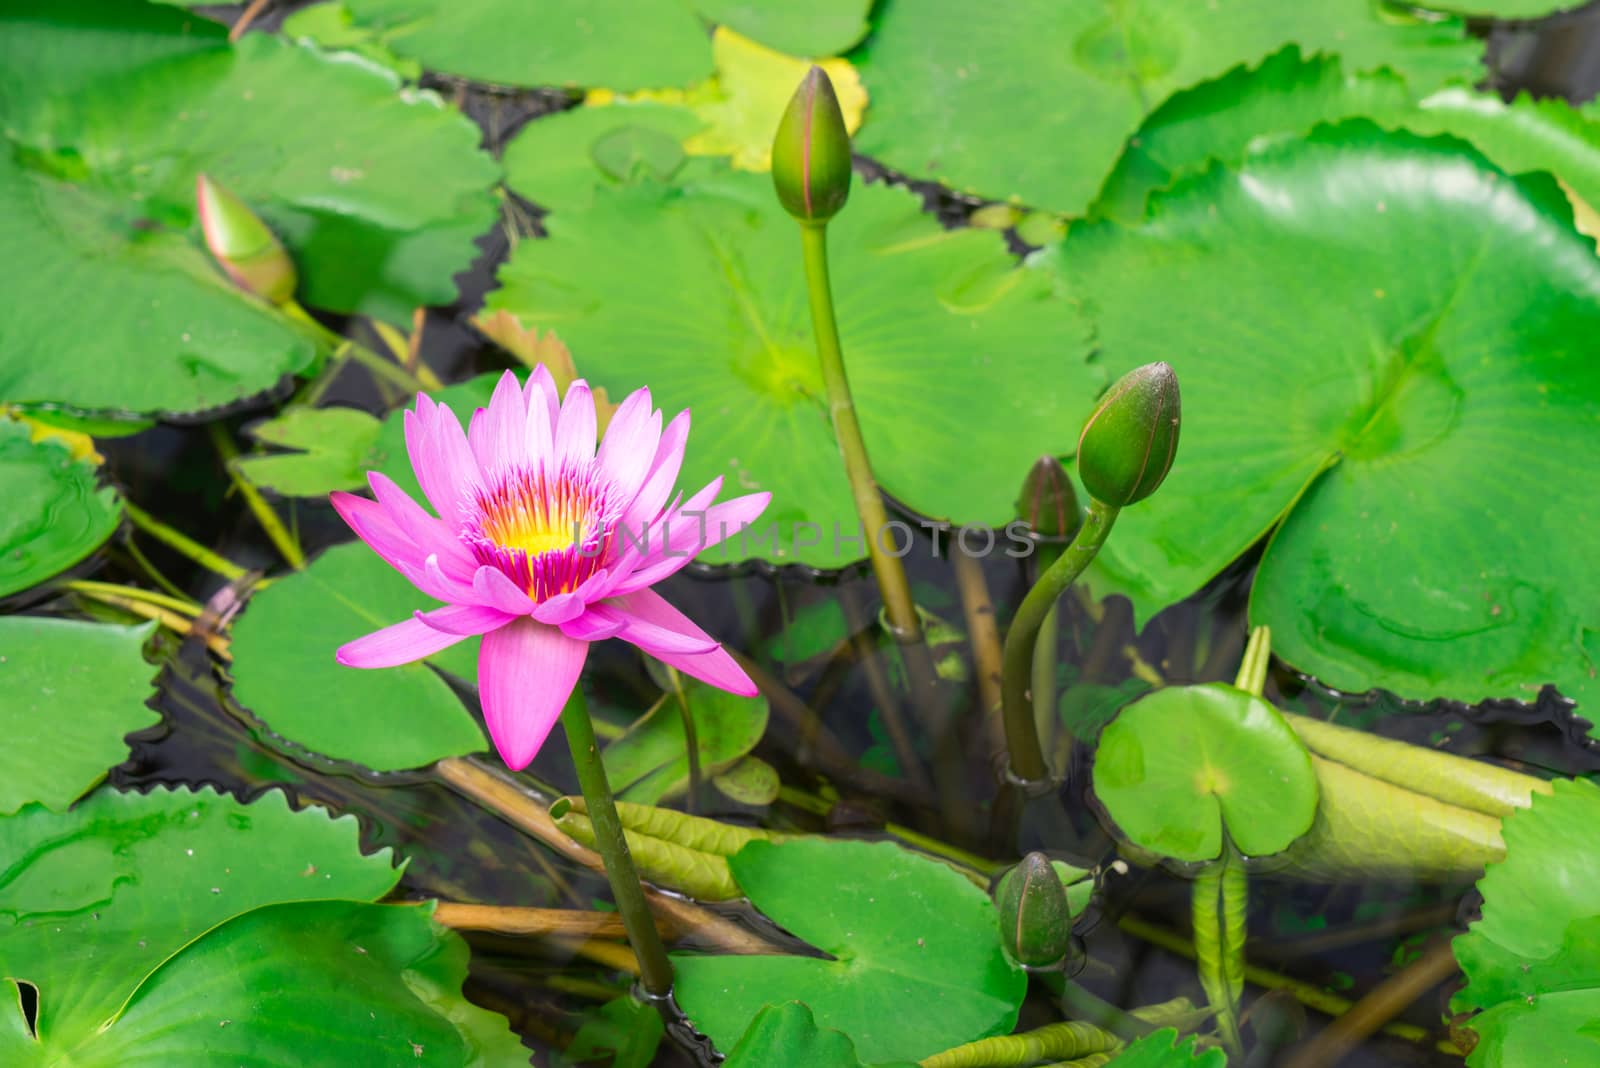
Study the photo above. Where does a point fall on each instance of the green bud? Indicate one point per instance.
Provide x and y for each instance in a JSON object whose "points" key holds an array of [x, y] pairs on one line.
{"points": [[1049, 504], [243, 245], [1035, 918], [1128, 443], [811, 153]]}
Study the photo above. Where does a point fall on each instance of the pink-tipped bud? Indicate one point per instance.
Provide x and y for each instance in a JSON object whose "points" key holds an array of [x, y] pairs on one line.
{"points": [[243, 245], [811, 152], [1049, 504]]}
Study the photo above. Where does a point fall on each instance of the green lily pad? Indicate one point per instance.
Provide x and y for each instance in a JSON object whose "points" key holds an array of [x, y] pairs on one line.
{"points": [[1179, 768], [310, 982], [617, 44], [106, 894], [55, 514], [335, 449], [626, 1031], [69, 692], [787, 1036], [385, 719], [749, 781], [930, 319], [1533, 960], [379, 201], [1164, 1050], [620, 44], [551, 161], [1286, 96], [1376, 334], [954, 97], [1504, 9], [917, 965], [331, 26], [650, 760]]}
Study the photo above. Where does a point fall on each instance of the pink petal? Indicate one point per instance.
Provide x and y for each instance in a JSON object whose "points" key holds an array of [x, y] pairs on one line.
{"points": [[590, 627], [433, 581], [663, 474], [408, 640], [540, 392], [499, 432], [429, 534], [494, 589], [526, 672], [560, 608], [685, 539], [574, 445], [629, 449], [652, 624], [447, 471], [464, 619], [716, 668], [373, 526], [539, 434]]}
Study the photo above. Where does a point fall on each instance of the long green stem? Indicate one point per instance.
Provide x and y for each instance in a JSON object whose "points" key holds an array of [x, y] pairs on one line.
{"points": [[655, 970], [691, 740], [288, 547], [886, 568], [182, 543], [379, 366], [1027, 762]]}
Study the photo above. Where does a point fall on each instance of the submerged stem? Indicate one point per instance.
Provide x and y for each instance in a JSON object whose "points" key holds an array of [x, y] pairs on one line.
{"points": [[1022, 741], [182, 543], [654, 968], [691, 741], [287, 545], [1220, 895]]}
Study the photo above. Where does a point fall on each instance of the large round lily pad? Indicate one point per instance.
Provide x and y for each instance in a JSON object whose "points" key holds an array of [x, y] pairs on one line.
{"points": [[106, 892], [1533, 961], [1287, 96], [69, 692], [916, 960], [618, 44], [964, 369], [54, 512], [1036, 105], [1179, 769], [284, 669], [1387, 354], [112, 109]]}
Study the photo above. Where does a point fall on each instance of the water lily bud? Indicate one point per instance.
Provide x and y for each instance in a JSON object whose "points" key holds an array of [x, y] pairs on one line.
{"points": [[811, 153], [1127, 445], [1049, 504], [1035, 918], [243, 245]]}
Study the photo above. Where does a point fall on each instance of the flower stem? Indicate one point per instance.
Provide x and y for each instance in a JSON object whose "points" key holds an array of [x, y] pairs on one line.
{"points": [[288, 547], [1022, 740], [182, 543], [898, 605], [134, 593], [654, 968]]}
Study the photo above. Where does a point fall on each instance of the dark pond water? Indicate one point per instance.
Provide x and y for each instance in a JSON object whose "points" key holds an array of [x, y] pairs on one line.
{"points": [[1340, 939]]}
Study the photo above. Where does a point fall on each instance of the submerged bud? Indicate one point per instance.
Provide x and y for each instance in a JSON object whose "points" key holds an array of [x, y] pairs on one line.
{"points": [[811, 152], [1128, 443], [1035, 918], [242, 244], [1049, 504]]}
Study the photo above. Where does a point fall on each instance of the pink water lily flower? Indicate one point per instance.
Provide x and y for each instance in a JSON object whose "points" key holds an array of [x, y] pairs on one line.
{"points": [[543, 545]]}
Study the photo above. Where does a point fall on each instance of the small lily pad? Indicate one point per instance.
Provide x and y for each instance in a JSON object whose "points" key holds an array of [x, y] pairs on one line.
{"points": [[650, 761], [1164, 1050], [55, 513], [335, 447], [1181, 767], [386, 719], [916, 963], [69, 692], [787, 1036]]}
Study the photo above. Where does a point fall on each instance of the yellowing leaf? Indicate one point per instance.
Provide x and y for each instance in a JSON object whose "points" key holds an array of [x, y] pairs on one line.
{"points": [[742, 103], [78, 444], [527, 345]]}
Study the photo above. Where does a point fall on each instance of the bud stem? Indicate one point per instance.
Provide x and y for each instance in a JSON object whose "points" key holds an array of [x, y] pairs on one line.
{"points": [[899, 607], [1022, 740]]}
